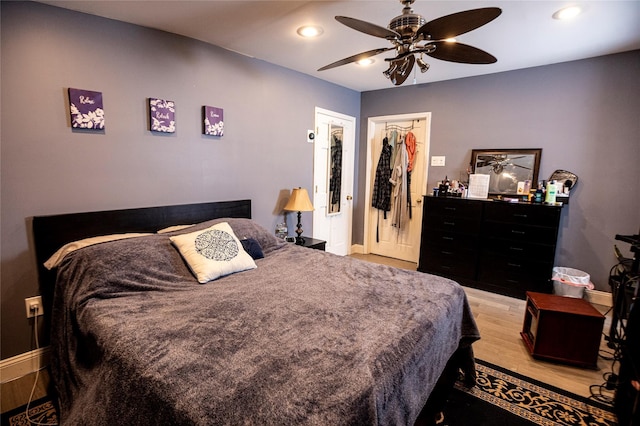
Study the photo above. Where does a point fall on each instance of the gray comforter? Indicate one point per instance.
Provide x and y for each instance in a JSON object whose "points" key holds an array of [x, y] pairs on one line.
{"points": [[305, 338]]}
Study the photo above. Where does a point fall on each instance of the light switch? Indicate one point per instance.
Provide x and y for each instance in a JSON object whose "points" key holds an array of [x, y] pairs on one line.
{"points": [[437, 160]]}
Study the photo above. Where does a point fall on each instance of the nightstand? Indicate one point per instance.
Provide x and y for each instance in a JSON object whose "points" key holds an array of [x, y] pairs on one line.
{"points": [[314, 243], [562, 329]]}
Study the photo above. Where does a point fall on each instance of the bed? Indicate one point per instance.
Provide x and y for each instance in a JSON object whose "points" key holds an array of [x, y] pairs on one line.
{"points": [[298, 337]]}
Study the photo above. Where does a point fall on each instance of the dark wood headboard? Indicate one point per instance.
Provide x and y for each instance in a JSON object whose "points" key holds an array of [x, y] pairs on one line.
{"points": [[52, 232]]}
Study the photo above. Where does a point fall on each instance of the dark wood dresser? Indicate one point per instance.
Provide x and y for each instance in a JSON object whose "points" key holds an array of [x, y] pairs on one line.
{"points": [[505, 248]]}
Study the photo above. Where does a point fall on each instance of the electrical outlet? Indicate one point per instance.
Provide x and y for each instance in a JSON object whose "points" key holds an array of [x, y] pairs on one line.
{"points": [[33, 305]]}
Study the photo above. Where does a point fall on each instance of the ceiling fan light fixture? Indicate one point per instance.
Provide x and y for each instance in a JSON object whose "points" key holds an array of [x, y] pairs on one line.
{"points": [[424, 67], [309, 31], [567, 13], [365, 62]]}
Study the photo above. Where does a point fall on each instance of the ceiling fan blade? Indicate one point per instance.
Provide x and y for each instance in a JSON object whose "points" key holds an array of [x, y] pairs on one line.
{"points": [[461, 53], [458, 23], [356, 58], [368, 28]]}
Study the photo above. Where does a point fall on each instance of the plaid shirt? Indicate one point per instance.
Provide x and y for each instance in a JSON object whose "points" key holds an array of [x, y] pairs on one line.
{"points": [[381, 186]]}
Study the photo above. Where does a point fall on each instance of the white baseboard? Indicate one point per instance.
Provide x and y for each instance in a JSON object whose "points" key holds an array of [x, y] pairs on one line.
{"points": [[598, 297], [23, 364], [357, 248]]}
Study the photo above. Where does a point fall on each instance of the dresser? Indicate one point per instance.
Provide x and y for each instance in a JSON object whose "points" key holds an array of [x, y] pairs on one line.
{"points": [[505, 248]]}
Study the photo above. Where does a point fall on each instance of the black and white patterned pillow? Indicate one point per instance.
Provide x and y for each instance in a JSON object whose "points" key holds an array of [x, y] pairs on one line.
{"points": [[213, 252]]}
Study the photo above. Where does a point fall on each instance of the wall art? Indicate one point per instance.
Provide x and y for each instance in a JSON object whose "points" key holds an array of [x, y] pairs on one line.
{"points": [[213, 121], [86, 109], [162, 115], [507, 167]]}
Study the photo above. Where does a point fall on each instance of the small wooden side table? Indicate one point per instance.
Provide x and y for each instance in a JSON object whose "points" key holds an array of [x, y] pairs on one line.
{"points": [[562, 329]]}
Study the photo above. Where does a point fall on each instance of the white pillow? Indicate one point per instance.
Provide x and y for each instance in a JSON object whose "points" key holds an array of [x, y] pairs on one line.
{"points": [[173, 228], [213, 252], [57, 257]]}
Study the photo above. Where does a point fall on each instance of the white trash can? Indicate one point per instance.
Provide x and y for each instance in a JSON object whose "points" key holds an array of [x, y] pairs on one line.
{"points": [[570, 282]]}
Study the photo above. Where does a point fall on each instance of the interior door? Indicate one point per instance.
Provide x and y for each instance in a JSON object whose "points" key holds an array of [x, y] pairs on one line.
{"points": [[380, 236], [333, 169]]}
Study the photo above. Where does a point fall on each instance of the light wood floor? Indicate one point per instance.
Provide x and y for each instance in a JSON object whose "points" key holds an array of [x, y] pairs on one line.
{"points": [[499, 319]]}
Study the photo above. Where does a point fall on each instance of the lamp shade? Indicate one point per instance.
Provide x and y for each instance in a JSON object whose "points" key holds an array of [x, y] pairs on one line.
{"points": [[299, 201]]}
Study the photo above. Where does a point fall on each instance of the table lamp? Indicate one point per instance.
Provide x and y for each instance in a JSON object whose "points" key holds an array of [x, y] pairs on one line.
{"points": [[299, 202]]}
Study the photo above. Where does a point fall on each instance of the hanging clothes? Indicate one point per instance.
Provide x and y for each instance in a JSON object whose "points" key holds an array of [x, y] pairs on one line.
{"points": [[399, 182], [410, 142], [381, 198], [393, 141], [335, 180]]}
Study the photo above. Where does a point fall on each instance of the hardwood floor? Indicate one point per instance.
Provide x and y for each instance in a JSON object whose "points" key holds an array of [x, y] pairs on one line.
{"points": [[16, 392], [499, 319]]}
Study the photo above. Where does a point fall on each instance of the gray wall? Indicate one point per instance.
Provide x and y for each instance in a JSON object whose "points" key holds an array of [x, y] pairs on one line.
{"points": [[48, 169], [585, 115]]}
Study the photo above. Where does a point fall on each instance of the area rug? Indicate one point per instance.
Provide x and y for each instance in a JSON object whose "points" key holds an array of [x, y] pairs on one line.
{"points": [[505, 398], [41, 412]]}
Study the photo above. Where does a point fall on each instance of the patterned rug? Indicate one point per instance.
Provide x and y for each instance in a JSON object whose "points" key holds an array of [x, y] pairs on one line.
{"points": [[505, 398], [41, 412]]}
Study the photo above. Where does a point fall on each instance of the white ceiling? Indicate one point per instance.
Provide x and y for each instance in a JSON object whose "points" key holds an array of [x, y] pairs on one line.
{"points": [[525, 35]]}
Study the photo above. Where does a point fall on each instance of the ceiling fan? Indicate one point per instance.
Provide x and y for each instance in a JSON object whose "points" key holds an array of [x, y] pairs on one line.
{"points": [[412, 35], [498, 162]]}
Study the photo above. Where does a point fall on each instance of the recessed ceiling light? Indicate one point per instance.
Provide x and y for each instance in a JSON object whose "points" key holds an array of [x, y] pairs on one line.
{"points": [[366, 62], [310, 31], [567, 12]]}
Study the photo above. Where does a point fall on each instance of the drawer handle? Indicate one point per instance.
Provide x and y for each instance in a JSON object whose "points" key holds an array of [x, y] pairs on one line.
{"points": [[447, 238], [449, 223], [513, 281], [514, 265], [515, 231], [520, 215], [445, 267], [453, 209], [516, 248], [448, 253]]}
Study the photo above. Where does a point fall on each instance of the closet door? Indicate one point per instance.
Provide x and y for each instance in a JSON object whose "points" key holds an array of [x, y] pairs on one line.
{"points": [[381, 237]]}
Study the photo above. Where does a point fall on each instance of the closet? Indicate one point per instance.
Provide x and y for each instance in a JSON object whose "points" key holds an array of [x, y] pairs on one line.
{"points": [[395, 231]]}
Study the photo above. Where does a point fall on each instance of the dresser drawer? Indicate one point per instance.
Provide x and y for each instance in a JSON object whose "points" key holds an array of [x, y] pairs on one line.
{"points": [[452, 207], [466, 225], [517, 232], [526, 270], [524, 214], [439, 238], [454, 262], [518, 249]]}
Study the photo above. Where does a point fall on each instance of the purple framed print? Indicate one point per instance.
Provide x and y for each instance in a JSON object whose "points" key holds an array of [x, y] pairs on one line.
{"points": [[86, 109], [213, 121], [162, 115]]}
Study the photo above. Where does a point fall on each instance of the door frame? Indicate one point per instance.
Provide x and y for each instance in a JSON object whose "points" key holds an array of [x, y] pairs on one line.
{"points": [[349, 180], [370, 166]]}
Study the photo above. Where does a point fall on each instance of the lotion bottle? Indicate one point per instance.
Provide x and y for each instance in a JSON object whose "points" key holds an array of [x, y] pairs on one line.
{"points": [[551, 193]]}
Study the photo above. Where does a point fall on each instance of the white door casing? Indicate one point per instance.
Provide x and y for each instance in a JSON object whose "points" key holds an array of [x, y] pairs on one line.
{"points": [[328, 224], [379, 236]]}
